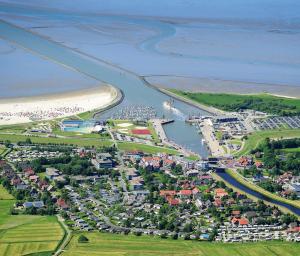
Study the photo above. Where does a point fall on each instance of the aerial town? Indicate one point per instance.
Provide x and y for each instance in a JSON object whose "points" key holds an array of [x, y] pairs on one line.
{"points": [[164, 194], [151, 128]]}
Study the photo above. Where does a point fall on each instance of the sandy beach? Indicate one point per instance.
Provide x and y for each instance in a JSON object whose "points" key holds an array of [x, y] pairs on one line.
{"points": [[24, 110]]}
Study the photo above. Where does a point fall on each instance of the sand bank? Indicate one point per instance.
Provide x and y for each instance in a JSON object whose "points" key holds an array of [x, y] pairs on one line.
{"points": [[23, 110]]}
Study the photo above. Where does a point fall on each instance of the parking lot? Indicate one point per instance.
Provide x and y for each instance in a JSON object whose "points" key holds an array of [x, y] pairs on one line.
{"points": [[292, 122]]}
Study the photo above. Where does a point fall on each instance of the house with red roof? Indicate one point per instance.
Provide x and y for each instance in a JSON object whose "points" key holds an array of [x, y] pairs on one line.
{"points": [[185, 194], [218, 202], [34, 178], [220, 192], [62, 204], [173, 201], [167, 193], [28, 172], [240, 221]]}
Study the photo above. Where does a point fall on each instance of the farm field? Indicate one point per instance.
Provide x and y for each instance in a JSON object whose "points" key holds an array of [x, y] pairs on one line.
{"points": [[233, 102], [26, 234], [110, 244], [256, 138]]}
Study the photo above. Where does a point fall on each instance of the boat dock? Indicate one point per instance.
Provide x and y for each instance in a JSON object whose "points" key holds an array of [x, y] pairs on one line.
{"points": [[158, 126]]}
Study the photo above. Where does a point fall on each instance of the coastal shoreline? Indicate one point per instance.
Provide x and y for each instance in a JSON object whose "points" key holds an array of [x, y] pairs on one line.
{"points": [[210, 110], [207, 85], [52, 106]]}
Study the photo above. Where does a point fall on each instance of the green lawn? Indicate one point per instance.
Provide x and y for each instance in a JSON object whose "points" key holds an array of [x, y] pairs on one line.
{"points": [[26, 234], [232, 102], [45, 140], [256, 138], [109, 244], [16, 128], [145, 148], [4, 195], [291, 150]]}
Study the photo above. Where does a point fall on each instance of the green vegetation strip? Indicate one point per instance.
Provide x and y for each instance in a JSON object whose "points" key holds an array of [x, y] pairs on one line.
{"points": [[128, 146], [233, 102], [256, 138], [256, 188], [51, 140], [111, 244]]}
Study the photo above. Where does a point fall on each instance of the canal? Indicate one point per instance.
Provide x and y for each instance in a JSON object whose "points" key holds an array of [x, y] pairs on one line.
{"points": [[225, 176]]}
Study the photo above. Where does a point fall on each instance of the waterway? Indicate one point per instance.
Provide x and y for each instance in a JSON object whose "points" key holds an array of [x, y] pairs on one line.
{"points": [[225, 176], [135, 89]]}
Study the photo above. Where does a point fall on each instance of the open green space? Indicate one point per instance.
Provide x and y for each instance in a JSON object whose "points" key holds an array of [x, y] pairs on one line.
{"points": [[26, 234], [290, 150], [129, 146], [16, 128], [256, 138], [4, 195], [56, 140], [112, 244], [234, 102], [256, 188]]}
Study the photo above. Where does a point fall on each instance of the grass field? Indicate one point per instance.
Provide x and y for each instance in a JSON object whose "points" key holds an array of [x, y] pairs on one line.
{"points": [[46, 140], [232, 102], [291, 150], [26, 234], [145, 148], [256, 138], [4, 195], [110, 244]]}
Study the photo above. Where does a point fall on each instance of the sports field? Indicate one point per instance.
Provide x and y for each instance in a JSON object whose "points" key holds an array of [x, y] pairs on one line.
{"points": [[111, 244], [26, 234]]}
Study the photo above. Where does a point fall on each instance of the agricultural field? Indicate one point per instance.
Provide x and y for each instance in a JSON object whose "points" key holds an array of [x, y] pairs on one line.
{"points": [[256, 138], [234, 102], [111, 244], [26, 234]]}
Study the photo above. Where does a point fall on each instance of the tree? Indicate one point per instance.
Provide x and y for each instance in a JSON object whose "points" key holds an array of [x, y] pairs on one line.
{"points": [[82, 239]]}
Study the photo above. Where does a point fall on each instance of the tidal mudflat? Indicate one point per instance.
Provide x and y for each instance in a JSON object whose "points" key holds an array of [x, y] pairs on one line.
{"points": [[26, 74], [205, 54]]}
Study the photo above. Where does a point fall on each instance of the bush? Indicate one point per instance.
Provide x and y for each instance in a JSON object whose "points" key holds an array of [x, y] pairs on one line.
{"points": [[82, 239]]}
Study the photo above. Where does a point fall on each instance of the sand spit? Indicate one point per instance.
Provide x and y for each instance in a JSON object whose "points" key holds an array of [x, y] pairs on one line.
{"points": [[24, 110]]}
